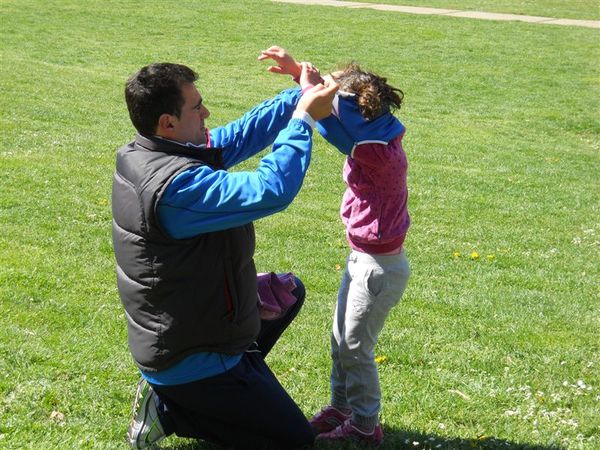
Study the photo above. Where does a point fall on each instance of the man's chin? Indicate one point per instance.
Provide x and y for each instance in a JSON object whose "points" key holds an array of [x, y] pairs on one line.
{"points": [[200, 139]]}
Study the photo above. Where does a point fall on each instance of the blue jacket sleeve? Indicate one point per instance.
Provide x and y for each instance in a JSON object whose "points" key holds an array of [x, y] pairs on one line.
{"points": [[201, 200], [334, 132], [255, 130]]}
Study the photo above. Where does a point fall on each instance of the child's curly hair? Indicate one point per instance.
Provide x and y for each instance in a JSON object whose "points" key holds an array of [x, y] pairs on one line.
{"points": [[374, 96]]}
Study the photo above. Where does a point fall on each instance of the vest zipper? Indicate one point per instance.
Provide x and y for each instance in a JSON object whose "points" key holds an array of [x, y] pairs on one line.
{"points": [[228, 300], [229, 289]]}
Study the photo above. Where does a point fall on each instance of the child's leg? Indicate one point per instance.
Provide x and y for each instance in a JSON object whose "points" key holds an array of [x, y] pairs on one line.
{"points": [[376, 285], [338, 375]]}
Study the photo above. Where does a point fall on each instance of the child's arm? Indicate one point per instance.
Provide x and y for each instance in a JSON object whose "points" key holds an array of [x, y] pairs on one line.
{"points": [[287, 65]]}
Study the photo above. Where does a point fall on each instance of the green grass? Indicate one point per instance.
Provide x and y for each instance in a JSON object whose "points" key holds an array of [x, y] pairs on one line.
{"points": [[573, 9], [503, 125]]}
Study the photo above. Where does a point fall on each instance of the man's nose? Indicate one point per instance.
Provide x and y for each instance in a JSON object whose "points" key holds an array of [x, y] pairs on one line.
{"points": [[204, 112]]}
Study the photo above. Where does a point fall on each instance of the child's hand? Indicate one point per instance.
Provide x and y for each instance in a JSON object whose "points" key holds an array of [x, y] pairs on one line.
{"points": [[310, 75], [286, 64]]}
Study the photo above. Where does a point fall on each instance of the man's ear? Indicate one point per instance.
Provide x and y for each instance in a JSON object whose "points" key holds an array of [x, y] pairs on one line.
{"points": [[166, 126], [165, 123]]}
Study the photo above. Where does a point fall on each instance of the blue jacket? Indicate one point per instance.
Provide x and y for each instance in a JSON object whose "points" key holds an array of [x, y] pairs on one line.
{"points": [[201, 200]]}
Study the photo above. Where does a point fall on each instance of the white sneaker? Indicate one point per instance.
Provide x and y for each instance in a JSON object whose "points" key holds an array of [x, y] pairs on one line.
{"points": [[145, 429]]}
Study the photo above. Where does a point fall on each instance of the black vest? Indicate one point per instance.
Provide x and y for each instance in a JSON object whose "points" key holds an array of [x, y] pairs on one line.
{"points": [[181, 296]]}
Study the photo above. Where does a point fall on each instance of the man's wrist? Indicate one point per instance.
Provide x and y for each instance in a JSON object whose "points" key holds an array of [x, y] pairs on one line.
{"points": [[305, 117], [308, 87]]}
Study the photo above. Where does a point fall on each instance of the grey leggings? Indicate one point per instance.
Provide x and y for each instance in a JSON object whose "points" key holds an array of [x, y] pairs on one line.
{"points": [[371, 286]]}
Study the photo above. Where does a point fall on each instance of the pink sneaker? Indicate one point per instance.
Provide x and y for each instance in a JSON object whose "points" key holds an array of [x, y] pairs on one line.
{"points": [[328, 419], [348, 432]]}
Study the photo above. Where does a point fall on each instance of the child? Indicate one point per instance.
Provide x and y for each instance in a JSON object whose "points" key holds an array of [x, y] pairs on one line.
{"points": [[374, 212]]}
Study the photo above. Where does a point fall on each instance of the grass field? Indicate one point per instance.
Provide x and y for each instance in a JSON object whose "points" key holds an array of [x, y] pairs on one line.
{"points": [[496, 342]]}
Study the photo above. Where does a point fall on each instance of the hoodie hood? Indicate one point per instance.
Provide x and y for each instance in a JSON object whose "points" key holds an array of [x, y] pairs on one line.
{"points": [[346, 128]]}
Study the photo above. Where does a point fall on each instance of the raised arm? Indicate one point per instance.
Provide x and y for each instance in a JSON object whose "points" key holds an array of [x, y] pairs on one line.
{"points": [[258, 128], [201, 200], [255, 130], [287, 65]]}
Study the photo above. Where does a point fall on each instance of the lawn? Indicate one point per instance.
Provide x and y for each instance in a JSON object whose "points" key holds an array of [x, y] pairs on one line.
{"points": [[495, 343]]}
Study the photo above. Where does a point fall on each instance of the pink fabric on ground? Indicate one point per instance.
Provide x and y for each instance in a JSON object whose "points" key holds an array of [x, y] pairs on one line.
{"points": [[275, 294]]}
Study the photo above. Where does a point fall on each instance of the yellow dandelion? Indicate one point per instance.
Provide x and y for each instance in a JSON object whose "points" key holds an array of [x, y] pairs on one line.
{"points": [[474, 255], [456, 254], [380, 359], [490, 257], [337, 267]]}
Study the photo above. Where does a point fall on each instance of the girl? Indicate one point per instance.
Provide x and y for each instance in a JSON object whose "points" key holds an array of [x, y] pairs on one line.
{"points": [[374, 212]]}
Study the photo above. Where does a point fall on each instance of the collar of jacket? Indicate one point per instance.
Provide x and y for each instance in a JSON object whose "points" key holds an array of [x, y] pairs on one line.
{"points": [[210, 156], [383, 128]]}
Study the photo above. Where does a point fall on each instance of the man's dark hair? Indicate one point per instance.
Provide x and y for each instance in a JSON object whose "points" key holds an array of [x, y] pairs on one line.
{"points": [[156, 90]]}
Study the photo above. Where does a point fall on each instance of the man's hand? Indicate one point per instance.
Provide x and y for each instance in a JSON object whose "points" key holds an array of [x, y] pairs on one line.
{"points": [[317, 102], [286, 64]]}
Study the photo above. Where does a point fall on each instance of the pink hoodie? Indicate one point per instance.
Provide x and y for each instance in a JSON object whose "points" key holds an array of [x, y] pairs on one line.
{"points": [[374, 206]]}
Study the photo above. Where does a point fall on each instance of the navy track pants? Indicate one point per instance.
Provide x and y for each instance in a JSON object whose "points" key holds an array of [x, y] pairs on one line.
{"points": [[245, 407]]}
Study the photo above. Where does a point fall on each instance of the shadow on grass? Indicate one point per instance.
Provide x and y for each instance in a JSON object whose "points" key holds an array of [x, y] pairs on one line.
{"points": [[394, 440]]}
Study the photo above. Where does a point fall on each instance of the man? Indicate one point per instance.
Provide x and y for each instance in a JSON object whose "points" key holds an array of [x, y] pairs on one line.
{"points": [[184, 244]]}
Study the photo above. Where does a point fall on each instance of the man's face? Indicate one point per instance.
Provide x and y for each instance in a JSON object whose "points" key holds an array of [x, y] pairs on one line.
{"points": [[189, 126]]}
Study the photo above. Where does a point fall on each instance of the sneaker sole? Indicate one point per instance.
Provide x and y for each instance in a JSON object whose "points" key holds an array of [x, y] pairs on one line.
{"points": [[143, 408]]}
